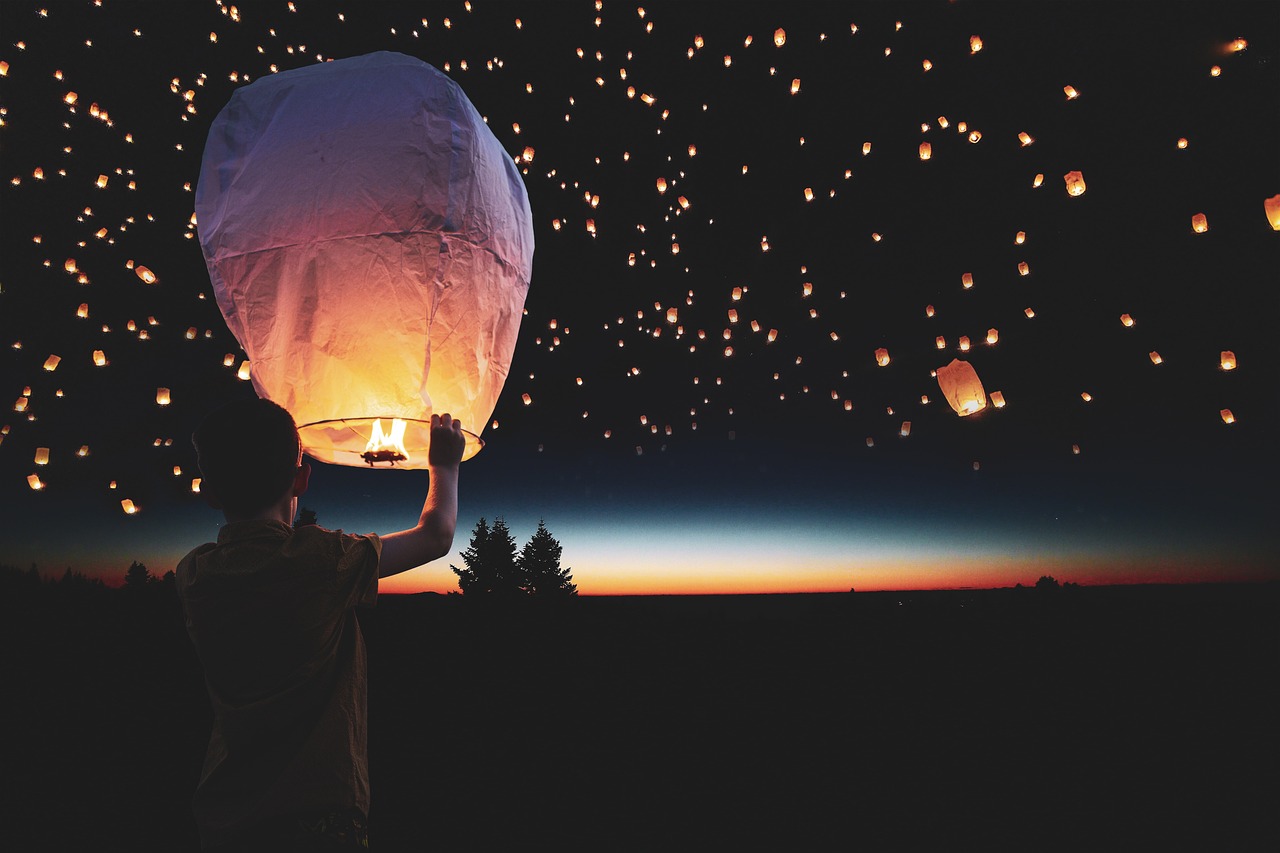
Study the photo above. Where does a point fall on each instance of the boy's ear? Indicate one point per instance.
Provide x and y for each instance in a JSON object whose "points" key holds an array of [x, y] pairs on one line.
{"points": [[301, 479]]}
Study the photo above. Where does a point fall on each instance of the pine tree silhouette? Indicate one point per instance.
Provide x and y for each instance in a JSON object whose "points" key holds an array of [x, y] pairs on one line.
{"points": [[490, 560], [539, 564]]}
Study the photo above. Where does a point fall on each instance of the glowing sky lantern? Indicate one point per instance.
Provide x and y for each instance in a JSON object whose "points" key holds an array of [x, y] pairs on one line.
{"points": [[926, 151], [34, 481], [779, 37], [1074, 182], [882, 356], [1227, 416], [1070, 92], [993, 335], [1227, 360], [1272, 208], [961, 387], [42, 456], [128, 506], [1155, 357], [662, 185], [147, 276], [1126, 320], [51, 363], [99, 358], [370, 245], [163, 398], [975, 44], [1199, 223], [966, 280]]}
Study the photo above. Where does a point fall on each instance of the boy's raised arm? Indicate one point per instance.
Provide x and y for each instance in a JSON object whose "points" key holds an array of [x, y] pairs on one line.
{"points": [[432, 537]]}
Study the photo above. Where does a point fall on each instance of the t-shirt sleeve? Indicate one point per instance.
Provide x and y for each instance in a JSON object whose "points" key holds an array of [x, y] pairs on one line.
{"points": [[358, 569]]}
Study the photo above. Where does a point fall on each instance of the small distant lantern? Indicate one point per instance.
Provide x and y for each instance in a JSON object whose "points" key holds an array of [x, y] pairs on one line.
{"points": [[964, 343], [992, 336], [1227, 360], [1199, 223], [34, 481], [673, 316], [928, 311], [1272, 208], [147, 276], [1155, 357], [662, 185], [1215, 71], [1182, 142], [866, 148], [1086, 396], [1037, 180], [975, 44], [195, 485], [1070, 92], [102, 181], [779, 37], [1030, 312], [42, 456], [243, 373], [940, 342], [961, 387], [807, 288], [1075, 450], [905, 429], [772, 336], [99, 358], [1074, 182], [882, 356], [1227, 416], [1025, 139], [966, 280], [997, 399], [162, 397], [926, 150], [1126, 320], [51, 363], [808, 193], [795, 85], [83, 310], [1023, 268], [1020, 238], [128, 506]]}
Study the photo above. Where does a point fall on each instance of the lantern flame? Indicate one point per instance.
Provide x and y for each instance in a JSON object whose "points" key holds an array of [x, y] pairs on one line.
{"points": [[386, 448]]}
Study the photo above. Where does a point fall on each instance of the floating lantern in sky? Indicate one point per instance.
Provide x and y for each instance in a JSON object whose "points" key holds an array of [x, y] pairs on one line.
{"points": [[997, 399], [966, 280], [1038, 180], [162, 397], [42, 456], [926, 151], [128, 506], [1227, 416], [366, 274], [662, 185], [1025, 139], [1227, 360], [882, 356], [905, 429], [866, 148], [1075, 183], [1182, 142], [779, 37], [795, 85], [34, 481], [51, 363], [99, 358], [992, 336], [1199, 223], [975, 44], [1272, 208], [147, 276], [1070, 92], [1024, 268], [1155, 357], [961, 387], [1126, 320]]}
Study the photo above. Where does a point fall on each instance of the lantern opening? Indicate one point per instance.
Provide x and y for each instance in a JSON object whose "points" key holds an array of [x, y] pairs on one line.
{"points": [[365, 441]]}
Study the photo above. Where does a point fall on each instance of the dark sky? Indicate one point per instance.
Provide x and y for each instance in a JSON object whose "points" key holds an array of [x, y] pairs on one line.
{"points": [[776, 488]]}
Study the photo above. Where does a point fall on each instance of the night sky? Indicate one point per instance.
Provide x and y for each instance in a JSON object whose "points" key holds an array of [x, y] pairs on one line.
{"points": [[677, 464]]}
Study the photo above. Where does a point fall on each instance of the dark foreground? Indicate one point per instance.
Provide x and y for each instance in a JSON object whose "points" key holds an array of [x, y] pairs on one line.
{"points": [[1096, 718]]}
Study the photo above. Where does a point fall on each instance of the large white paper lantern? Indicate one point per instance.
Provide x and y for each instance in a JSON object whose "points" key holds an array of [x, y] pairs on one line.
{"points": [[370, 245]]}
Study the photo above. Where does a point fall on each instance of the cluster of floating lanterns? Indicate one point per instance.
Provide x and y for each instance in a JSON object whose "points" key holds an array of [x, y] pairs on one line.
{"points": [[675, 182]]}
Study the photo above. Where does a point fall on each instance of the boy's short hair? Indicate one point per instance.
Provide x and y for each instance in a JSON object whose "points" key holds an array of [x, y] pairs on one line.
{"points": [[248, 452]]}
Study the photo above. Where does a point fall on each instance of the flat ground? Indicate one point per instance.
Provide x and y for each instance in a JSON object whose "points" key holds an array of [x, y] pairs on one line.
{"points": [[1113, 718]]}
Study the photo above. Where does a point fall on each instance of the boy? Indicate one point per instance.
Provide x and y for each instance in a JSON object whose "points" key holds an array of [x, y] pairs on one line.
{"points": [[271, 611]]}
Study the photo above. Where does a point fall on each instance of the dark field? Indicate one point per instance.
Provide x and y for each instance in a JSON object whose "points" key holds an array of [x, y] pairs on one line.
{"points": [[1097, 718]]}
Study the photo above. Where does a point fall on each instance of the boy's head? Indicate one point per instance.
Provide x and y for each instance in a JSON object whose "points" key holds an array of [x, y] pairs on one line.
{"points": [[249, 456]]}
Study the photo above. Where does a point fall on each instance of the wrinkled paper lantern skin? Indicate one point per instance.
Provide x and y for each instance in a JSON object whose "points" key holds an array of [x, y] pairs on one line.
{"points": [[370, 245], [961, 387], [1272, 208]]}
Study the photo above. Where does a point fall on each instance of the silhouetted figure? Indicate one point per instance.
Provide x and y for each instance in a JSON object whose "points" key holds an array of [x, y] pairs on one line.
{"points": [[271, 610]]}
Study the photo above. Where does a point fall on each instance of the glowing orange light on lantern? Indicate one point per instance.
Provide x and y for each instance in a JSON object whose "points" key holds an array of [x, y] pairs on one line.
{"points": [[99, 358], [1155, 357], [1070, 92], [1199, 223], [1227, 360], [1025, 139], [1227, 416], [1272, 208], [129, 507], [992, 336], [35, 482], [966, 280], [147, 276], [1126, 320], [1074, 182], [779, 37], [162, 397], [882, 356], [975, 44], [51, 363], [926, 151]]}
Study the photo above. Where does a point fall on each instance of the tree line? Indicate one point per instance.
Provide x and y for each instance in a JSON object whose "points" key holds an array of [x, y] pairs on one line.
{"points": [[492, 566]]}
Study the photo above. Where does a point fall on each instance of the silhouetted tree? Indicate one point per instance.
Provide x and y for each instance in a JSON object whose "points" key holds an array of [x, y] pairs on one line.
{"points": [[490, 561], [539, 566], [137, 576], [305, 517], [1046, 582]]}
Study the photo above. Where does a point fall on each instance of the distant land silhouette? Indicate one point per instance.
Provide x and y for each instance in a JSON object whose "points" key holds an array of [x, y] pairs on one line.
{"points": [[1121, 717]]}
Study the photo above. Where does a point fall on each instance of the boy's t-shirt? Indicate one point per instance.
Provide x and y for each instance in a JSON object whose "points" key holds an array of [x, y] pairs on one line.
{"points": [[271, 611]]}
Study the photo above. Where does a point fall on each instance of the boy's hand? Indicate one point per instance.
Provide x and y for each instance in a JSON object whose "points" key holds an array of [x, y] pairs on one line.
{"points": [[447, 441]]}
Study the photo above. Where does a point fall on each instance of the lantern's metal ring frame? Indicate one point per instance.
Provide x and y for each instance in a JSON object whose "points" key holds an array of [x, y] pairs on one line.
{"points": [[474, 442]]}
